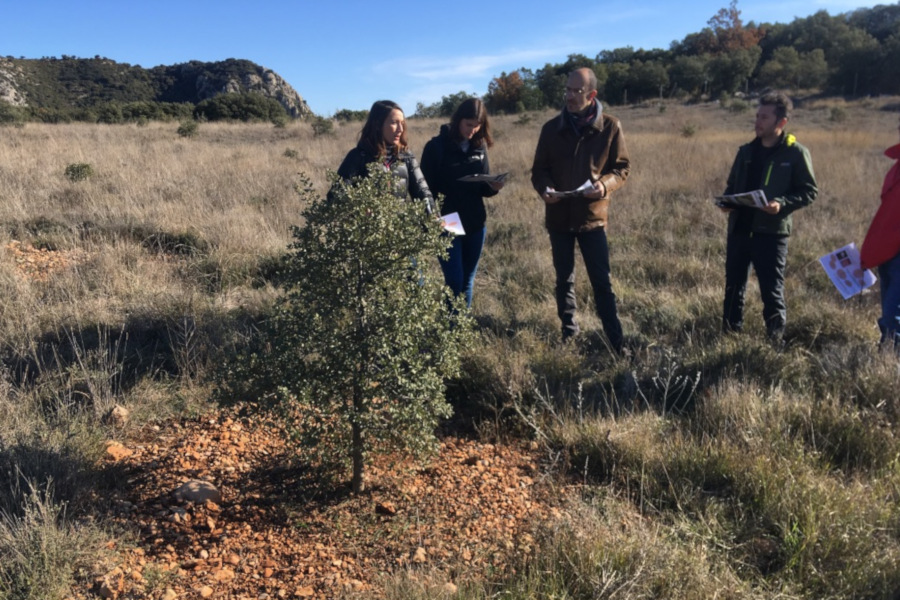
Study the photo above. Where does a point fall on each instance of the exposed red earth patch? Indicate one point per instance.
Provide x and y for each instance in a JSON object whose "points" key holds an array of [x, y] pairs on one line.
{"points": [[469, 513]]}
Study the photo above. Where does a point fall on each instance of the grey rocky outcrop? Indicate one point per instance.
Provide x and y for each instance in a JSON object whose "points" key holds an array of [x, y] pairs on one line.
{"points": [[192, 81]]}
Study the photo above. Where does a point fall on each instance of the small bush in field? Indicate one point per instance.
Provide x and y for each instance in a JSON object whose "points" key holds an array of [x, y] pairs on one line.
{"points": [[188, 129], [322, 126], [362, 342], [187, 243], [688, 130], [738, 106], [837, 114], [79, 172], [291, 153]]}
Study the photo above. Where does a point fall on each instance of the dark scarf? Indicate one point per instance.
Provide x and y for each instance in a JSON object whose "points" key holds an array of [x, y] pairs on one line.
{"points": [[583, 119]]}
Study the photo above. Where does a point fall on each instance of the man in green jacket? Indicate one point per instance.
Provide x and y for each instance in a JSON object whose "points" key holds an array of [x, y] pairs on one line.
{"points": [[775, 163]]}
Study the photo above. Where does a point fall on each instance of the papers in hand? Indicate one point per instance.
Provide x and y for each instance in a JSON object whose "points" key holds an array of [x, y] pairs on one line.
{"points": [[485, 177], [453, 224], [754, 199], [846, 274], [587, 186]]}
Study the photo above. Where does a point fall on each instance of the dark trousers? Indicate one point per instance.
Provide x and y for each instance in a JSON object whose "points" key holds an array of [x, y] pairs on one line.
{"points": [[768, 256], [595, 252], [462, 263]]}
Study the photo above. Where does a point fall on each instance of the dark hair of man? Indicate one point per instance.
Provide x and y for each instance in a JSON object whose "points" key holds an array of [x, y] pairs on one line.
{"points": [[472, 108], [781, 102], [371, 138]]}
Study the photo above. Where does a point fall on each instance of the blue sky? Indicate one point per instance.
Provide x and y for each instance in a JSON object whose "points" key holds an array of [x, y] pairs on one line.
{"points": [[347, 54]]}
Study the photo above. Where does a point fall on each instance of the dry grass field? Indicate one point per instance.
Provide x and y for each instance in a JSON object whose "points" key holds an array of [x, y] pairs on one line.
{"points": [[708, 466]]}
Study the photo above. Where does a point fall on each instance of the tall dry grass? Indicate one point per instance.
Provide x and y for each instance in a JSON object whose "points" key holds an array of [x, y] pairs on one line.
{"points": [[708, 464]]}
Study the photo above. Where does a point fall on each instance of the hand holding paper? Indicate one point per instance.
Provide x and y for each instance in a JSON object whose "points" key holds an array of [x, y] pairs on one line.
{"points": [[587, 186]]}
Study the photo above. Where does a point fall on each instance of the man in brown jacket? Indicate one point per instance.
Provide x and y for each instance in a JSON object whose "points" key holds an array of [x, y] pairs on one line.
{"points": [[581, 149]]}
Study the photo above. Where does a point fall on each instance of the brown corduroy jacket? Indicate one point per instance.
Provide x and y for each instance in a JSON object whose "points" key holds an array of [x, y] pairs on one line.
{"points": [[564, 160]]}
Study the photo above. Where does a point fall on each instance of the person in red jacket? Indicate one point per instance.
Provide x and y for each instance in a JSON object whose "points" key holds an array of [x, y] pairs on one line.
{"points": [[881, 249]]}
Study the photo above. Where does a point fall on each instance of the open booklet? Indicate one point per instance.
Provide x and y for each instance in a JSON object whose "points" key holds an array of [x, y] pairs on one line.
{"points": [[754, 199], [587, 186], [485, 177], [845, 272]]}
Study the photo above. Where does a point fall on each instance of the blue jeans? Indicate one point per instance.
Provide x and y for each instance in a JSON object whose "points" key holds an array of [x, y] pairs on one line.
{"points": [[595, 252], [889, 323], [768, 255], [462, 263]]}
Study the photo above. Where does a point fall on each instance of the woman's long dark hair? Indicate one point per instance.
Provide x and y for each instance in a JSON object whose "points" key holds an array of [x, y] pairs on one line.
{"points": [[473, 108], [371, 138]]}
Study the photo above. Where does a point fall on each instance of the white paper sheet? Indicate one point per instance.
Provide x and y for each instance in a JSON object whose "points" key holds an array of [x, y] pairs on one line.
{"points": [[453, 224]]}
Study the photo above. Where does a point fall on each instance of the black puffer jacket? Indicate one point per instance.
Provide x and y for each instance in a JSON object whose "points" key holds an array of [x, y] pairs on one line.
{"points": [[405, 168], [443, 163]]}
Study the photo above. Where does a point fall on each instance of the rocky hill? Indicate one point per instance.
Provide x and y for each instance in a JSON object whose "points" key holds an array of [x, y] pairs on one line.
{"points": [[69, 82]]}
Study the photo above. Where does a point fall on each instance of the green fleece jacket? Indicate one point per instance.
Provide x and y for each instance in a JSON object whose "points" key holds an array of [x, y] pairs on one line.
{"points": [[787, 178]]}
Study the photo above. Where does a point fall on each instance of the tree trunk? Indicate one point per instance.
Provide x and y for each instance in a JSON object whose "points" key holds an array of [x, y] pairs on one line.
{"points": [[356, 444], [358, 482]]}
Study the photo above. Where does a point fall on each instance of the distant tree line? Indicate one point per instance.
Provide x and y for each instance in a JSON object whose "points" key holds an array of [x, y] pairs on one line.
{"points": [[852, 54], [247, 107]]}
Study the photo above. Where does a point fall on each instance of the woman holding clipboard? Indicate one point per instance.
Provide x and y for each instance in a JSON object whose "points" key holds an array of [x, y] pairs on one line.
{"points": [[460, 151]]}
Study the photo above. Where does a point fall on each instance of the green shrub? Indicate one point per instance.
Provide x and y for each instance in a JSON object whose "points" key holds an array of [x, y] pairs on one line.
{"points": [[109, 113], [322, 126], [348, 115], [79, 172], [738, 106], [837, 114], [291, 153], [186, 243], [188, 129], [361, 343], [240, 107], [9, 114]]}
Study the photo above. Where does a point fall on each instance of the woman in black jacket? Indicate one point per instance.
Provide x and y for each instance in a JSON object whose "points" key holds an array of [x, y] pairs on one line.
{"points": [[383, 140], [460, 150]]}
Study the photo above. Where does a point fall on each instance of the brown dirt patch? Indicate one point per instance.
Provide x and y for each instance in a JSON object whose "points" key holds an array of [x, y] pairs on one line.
{"points": [[39, 263], [278, 534]]}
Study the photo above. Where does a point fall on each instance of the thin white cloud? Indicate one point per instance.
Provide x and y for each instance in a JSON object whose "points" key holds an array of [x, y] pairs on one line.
{"points": [[434, 68]]}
